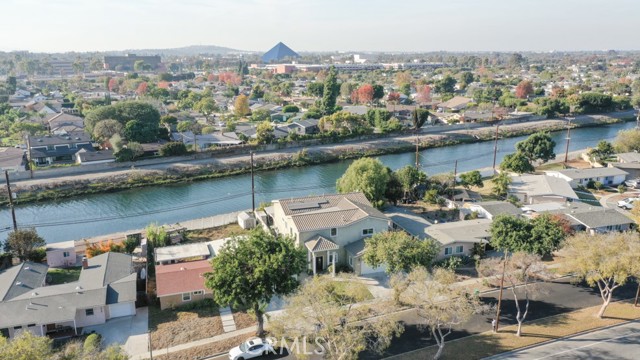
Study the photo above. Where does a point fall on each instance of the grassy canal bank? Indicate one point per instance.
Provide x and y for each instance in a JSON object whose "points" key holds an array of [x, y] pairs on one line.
{"points": [[57, 190]]}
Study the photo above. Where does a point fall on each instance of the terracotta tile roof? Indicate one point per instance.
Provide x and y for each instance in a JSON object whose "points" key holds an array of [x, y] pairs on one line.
{"points": [[181, 277], [320, 244], [328, 211]]}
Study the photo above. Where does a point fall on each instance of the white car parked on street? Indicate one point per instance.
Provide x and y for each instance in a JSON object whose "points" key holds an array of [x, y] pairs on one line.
{"points": [[250, 349]]}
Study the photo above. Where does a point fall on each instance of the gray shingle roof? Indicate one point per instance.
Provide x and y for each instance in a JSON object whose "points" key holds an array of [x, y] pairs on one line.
{"points": [[460, 231], [21, 279], [541, 185], [630, 157], [499, 207], [356, 248], [108, 279], [601, 218]]}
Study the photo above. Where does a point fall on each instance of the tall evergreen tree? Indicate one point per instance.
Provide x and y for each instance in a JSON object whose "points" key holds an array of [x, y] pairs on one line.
{"points": [[331, 92]]}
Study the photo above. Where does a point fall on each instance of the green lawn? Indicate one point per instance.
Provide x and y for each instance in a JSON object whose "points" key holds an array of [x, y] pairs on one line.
{"points": [[61, 276]]}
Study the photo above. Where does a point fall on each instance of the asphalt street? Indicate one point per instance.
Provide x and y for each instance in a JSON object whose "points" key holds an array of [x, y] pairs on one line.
{"points": [[555, 298], [619, 342]]}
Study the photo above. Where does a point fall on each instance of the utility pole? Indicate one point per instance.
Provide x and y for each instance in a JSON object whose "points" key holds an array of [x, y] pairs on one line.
{"points": [[566, 150], [150, 348], [455, 175], [504, 266], [13, 211], [253, 193], [495, 148], [417, 156]]}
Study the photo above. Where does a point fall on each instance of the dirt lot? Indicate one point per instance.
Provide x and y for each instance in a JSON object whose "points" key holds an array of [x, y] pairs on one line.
{"points": [[173, 327], [204, 350], [216, 233]]}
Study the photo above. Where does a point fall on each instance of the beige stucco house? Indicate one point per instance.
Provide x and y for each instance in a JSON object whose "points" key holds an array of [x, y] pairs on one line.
{"points": [[327, 226]]}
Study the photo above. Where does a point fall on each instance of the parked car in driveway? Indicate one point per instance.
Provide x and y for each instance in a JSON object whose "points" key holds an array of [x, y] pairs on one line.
{"points": [[633, 183], [251, 349], [627, 203]]}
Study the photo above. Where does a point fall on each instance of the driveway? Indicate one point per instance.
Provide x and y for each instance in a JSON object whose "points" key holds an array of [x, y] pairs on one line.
{"points": [[131, 332]]}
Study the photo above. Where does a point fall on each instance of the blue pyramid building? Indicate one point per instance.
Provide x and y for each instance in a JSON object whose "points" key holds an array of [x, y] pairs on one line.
{"points": [[279, 52]]}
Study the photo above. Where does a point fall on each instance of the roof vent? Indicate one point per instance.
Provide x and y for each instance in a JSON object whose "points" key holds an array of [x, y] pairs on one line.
{"points": [[77, 138], [18, 283], [78, 287], [182, 269], [39, 140], [27, 268]]}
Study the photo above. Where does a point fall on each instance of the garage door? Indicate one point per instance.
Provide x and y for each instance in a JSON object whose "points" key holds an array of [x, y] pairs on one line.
{"points": [[366, 269], [124, 309]]}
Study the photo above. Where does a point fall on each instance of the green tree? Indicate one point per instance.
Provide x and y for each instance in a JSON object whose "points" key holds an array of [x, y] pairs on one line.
{"points": [[264, 133], [26, 346], [249, 272], [466, 78], [546, 235], [330, 92], [368, 176], [501, 184], [105, 129], [206, 106], [517, 163], [315, 89], [145, 113], [538, 146], [260, 115], [606, 260], [399, 251], [409, 178], [174, 148], [169, 120], [136, 131], [627, 141], [23, 243], [157, 235], [241, 106], [446, 85], [602, 151], [256, 93], [290, 109], [510, 233], [471, 178], [419, 117]]}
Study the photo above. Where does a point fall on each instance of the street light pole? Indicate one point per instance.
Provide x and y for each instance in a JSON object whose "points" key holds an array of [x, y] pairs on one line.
{"points": [[504, 266], [495, 148]]}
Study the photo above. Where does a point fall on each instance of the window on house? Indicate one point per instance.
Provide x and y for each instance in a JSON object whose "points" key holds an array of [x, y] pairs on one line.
{"points": [[331, 258], [31, 325], [351, 261], [17, 327], [366, 232], [198, 292], [459, 249], [448, 250], [334, 231], [88, 312], [65, 254], [186, 296]]}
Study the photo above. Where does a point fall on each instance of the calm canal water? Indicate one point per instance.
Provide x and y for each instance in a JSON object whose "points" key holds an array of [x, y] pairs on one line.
{"points": [[108, 213]]}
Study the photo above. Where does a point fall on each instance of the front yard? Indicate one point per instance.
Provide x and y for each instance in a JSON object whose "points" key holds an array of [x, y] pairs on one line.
{"points": [[179, 326]]}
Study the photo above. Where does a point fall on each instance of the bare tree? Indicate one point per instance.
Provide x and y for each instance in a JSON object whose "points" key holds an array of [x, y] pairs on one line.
{"points": [[521, 273], [439, 302], [324, 312]]}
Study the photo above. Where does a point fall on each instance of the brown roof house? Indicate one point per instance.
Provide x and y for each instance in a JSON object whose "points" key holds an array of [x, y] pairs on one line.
{"points": [[105, 290], [332, 228], [181, 283]]}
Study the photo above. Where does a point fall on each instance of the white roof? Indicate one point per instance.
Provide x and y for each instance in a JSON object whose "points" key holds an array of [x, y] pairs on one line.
{"points": [[541, 185], [178, 252]]}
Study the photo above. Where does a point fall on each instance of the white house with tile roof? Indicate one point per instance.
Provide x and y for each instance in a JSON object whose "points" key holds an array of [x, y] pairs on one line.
{"points": [[326, 225]]}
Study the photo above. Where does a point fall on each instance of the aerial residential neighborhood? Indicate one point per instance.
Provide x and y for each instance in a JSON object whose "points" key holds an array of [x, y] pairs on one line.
{"points": [[447, 180]]}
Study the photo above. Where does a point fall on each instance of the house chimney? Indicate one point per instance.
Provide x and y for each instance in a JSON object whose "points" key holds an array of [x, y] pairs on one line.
{"points": [[85, 262]]}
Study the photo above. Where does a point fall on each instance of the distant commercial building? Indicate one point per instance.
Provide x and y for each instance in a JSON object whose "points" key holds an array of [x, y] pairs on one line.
{"points": [[126, 62], [278, 53]]}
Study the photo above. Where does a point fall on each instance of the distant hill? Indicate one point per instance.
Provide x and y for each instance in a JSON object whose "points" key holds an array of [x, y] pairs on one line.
{"points": [[186, 51]]}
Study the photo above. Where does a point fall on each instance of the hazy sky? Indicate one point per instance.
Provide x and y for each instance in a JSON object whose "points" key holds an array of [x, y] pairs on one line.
{"points": [[320, 25]]}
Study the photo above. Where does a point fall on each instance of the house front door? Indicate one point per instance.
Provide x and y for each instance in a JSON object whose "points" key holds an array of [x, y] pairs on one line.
{"points": [[319, 264]]}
